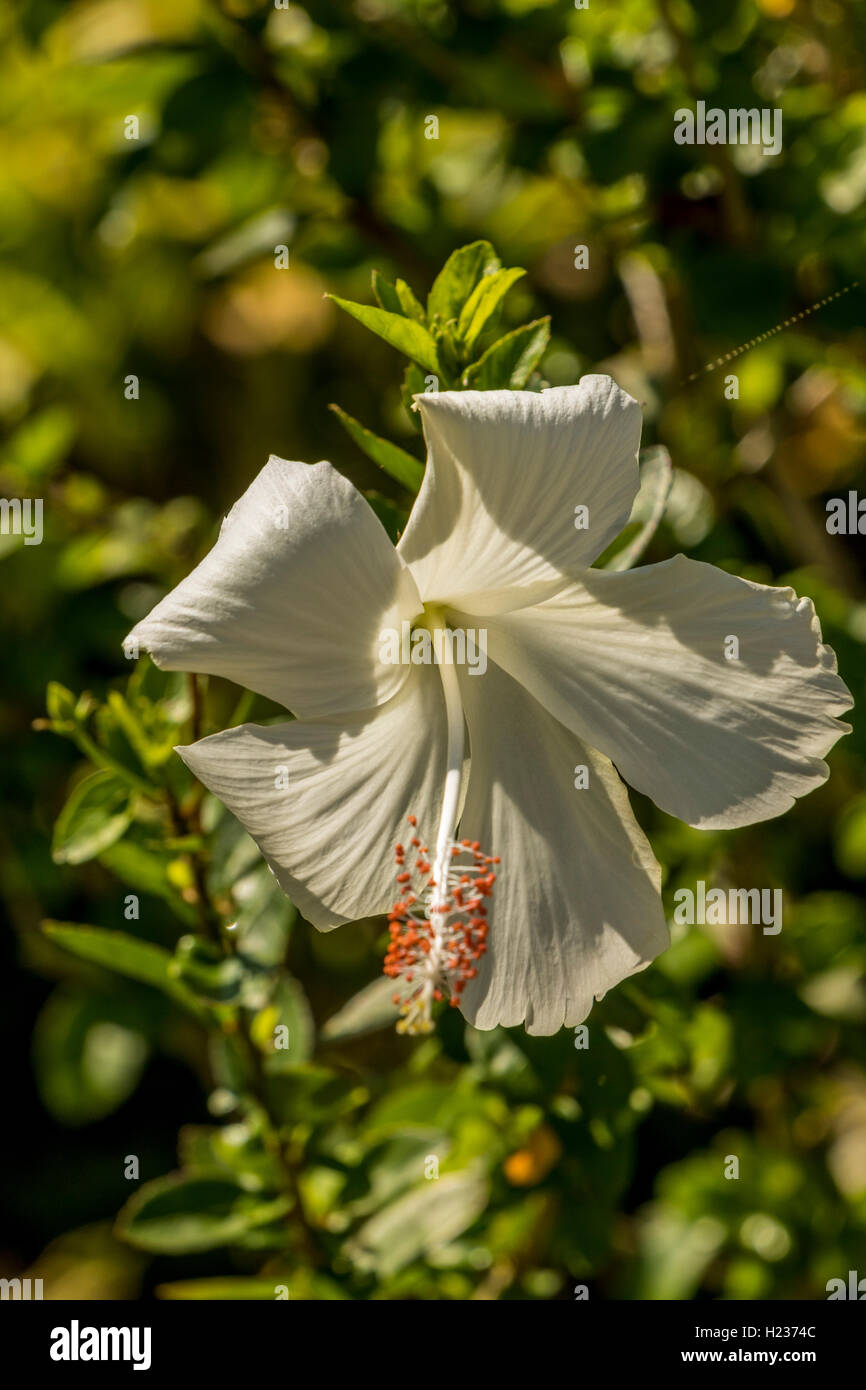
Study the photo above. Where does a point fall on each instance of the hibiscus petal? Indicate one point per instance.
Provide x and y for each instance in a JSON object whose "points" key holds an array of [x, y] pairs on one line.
{"points": [[576, 905], [495, 523], [327, 802], [635, 663], [291, 599]]}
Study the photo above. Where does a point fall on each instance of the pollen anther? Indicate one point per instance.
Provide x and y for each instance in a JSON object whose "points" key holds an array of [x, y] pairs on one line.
{"points": [[438, 933]]}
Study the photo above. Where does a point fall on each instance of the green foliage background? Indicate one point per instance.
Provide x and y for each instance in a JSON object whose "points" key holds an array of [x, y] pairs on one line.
{"points": [[154, 257]]}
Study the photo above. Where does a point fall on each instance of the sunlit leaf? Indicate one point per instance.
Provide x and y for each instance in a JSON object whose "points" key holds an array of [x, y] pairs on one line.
{"points": [[139, 960], [264, 916], [410, 305], [88, 1057], [301, 1284], [202, 969], [458, 278], [59, 701], [95, 815], [237, 1290], [483, 302], [237, 1150], [404, 334], [180, 1214], [371, 1008], [386, 294], [394, 460], [311, 1094], [510, 362], [283, 1030], [424, 1220], [136, 861]]}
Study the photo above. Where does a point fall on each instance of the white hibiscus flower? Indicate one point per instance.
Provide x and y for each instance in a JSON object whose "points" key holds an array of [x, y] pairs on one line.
{"points": [[615, 673]]}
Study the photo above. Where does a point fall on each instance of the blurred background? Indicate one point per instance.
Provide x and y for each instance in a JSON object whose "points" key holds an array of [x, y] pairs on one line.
{"points": [[144, 249]]}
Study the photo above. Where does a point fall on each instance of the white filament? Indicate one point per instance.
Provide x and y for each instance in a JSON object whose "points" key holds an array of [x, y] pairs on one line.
{"points": [[453, 777]]}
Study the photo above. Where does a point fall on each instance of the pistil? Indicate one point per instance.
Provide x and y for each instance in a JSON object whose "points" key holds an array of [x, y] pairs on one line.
{"points": [[438, 927]]}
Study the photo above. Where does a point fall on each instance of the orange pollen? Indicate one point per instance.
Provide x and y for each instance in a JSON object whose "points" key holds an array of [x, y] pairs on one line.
{"points": [[438, 933]]}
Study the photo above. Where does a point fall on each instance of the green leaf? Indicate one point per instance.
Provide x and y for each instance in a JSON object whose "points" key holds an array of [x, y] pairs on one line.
{"points": [[414, 384], [500, 1061], [483, 303], [656, 476], [458, 278], [236, 1151], [39, 444], [201, 968], [269, 1238], [424, 1220], [180, 1214], [393, 1166], [86, 1058], [302, 1284], [230, 1062], [404, 334], [264, 918], [510, 362], [146, 869], [367, 1011], [234, 854], [237, 1290], [386, 294], [410, 305], [449, 350], [419, 1105], [152, 751], [96, 814], [115, 950], [314, 1095], [391, 514], [288, 1011], [394, 460], [850, 839], [674, 1252], [59, 702], [101, 757]]}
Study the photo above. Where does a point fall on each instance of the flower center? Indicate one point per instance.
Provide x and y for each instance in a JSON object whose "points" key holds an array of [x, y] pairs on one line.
{"points": [[438, 926]]}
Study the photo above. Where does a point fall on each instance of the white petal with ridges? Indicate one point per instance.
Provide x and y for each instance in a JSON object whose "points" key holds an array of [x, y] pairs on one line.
{"points": [[292, 598], [329, 833], [576, 905], [494, 523], [635, 663]]}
